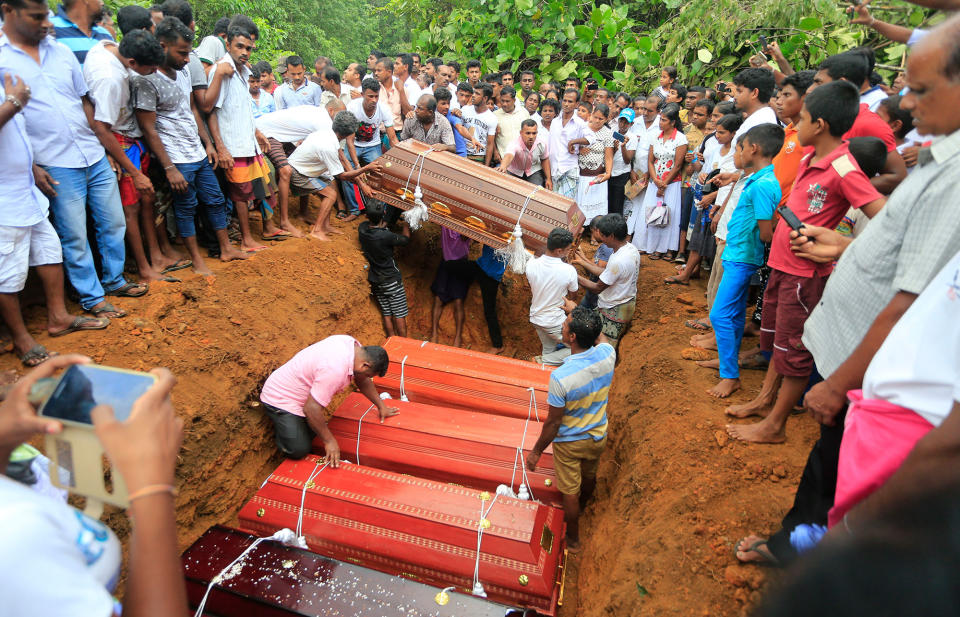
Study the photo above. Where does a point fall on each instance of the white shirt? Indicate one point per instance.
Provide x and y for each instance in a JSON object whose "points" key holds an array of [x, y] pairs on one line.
{"points": [[109, 83], [234, 113], [318, 156], [620, 167], [368, 134], [649, 134], [728, 211], [59, 561], [764, 115], [211, 49], [412, 90], [294, 123], [481, 125], [23, 203], [873, 97], [710, 153], [550, 281], [561, 161], [509, 125], [620, 276], [918, 365]]}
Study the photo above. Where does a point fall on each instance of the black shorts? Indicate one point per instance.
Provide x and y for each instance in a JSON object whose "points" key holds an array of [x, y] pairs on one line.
{"points": [[391, 297]]}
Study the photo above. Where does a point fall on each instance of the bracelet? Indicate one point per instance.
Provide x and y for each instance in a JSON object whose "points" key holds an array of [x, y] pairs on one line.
{"points": [[169, 166], [153, 489], [16, 102]]}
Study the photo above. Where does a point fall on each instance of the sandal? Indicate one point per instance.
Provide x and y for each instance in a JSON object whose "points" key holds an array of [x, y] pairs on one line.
{"points": [[81, 324], [673, 280], [277, 236], [179, 265], [760, 548], [130, 290], [697, 324], [107, 308], [36, 356]]}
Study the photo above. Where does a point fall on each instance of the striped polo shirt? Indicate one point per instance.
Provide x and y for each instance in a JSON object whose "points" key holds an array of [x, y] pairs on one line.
{"points": [[581, 385], [74, 38]]}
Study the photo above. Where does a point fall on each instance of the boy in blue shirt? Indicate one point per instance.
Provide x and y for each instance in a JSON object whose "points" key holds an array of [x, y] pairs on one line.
{"points": [[443, 96], [749, 228]]}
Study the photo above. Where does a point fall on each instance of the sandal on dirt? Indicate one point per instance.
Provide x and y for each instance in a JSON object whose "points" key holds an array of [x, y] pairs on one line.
{"points": [[758, 547], [697, 324], [672, 280], [36, 356], [81, 324], [130, 290], [107, 308], [277, 236], [179, 265], [654, 256]]}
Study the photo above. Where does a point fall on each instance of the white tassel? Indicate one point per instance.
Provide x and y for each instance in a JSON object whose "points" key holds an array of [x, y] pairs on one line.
{"points": [[385, 396], [515, 255], [478, 590], [418, 214], [506, 491], [523, 493]]}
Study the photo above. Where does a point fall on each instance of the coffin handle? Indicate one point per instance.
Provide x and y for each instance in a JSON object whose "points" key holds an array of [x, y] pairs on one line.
{"points": [[473, 221], [441, 208]]}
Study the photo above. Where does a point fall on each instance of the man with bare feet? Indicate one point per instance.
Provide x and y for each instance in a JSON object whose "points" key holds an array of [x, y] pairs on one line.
{"points": [[171, 127], [577, 421], [316, 163]]}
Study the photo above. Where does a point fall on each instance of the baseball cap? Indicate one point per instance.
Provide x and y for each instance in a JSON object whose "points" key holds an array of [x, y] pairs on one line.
{"points": [[628, 114]]}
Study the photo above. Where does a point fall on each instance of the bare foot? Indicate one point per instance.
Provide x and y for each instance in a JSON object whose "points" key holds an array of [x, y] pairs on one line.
{"points": [[724, 388], [704, 341], [495, 351], [753, 549], [293, 229], [759, 406], [203, 270], [252, 247], [319, 235], [332, 230], [714, 364], [229, 254], [457, 342], [761, 432]]}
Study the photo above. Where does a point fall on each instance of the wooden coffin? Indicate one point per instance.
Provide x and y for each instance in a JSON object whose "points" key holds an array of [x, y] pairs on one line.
{"points": [[275, 580], [418, 529], [467, 197], [472, 380], [475, 450]]}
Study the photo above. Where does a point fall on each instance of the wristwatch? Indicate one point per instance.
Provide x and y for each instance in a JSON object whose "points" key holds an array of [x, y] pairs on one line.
{"points": [[16, 102]]}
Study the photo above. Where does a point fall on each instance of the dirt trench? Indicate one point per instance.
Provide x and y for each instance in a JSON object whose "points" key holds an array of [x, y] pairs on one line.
{"points": [[673, 494]]}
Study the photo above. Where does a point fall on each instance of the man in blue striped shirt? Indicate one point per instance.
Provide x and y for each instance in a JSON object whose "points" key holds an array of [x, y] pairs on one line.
{"points": [[577, 423], [75, 25]]}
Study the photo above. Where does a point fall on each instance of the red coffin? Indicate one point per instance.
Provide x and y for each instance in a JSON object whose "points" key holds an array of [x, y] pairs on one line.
{"points": [[471, 380], [439, 443], [275, 580], [417, 529]]}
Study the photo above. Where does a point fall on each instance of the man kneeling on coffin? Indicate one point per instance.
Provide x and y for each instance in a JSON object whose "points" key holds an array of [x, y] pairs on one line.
{"points": [[296, 394]]}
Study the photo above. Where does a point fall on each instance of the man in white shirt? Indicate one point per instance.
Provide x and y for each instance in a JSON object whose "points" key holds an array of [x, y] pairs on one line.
{"points": [[563, 130], [551, 282], [300, 90], [617, 285], [316, 163], [509, 117], [364, 146], [333, 88], [751, 93], [481, 123], [403, 77]]}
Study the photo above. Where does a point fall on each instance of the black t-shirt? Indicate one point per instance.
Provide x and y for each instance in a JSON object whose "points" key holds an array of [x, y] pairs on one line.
{"points": [[377, 244]]}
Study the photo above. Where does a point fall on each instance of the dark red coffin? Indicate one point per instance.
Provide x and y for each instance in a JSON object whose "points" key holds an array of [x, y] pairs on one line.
{"points": [[275, 580], [440, 443], [474, 200], [465, 379], [418, 529]]}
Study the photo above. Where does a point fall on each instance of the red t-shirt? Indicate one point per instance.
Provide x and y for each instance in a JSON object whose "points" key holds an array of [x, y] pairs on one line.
{"points": [[869, 124], [821, 195]]}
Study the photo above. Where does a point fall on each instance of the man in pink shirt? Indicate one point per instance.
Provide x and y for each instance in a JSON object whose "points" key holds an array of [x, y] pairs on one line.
{"points": [[296, 394], [528, 157]]}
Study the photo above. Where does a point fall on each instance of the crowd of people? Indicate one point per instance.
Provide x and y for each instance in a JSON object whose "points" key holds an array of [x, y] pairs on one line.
{"points": [[816, 201]]}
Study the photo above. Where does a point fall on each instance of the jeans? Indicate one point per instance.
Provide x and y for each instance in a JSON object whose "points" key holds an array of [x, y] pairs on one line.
{"points": [[202, 183], [95, 189], [365, 155], [489, 287], [729, 314], [549, 340]]}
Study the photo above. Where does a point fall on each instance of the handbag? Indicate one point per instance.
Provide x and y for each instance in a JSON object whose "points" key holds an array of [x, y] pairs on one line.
{"points": [[658, 215]]}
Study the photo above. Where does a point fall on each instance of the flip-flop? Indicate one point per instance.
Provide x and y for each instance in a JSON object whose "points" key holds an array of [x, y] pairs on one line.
{"points": [[81, 324], [278, 235], [170, 279], [697, 324], [672, 280], [127, 290], [256, 250], [36, 356], [107, 308], [179, 265], [767, 558]]}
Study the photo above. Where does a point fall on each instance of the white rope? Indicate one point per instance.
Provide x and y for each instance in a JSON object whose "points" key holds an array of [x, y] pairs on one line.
{"points": [[419, 213], [477, 586], [359, 426], [524, 491], [303, 495], [515, 254], [403, 391]]}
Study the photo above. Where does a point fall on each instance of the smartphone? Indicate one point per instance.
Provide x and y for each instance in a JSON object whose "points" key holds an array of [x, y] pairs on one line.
{"points": [[790, 218], [619, 136], [763, 43], [84, 386]]}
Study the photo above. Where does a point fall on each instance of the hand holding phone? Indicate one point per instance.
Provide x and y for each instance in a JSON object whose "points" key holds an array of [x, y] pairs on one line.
{"points": [[763, 43], [620, 137]]}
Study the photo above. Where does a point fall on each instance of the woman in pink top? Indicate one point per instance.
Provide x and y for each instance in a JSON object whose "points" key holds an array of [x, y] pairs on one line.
{"points": [[452, 281]]}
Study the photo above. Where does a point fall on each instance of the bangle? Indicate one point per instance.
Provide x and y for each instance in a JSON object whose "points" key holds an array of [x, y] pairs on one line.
{"points": [[153, 489], [16, 102], [169, 166]]}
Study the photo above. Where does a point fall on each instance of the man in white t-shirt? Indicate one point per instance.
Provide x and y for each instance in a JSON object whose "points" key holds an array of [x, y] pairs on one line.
{"points": [[365, 146], [617, 285], [481, 122], [551, 282], [509, 118]]}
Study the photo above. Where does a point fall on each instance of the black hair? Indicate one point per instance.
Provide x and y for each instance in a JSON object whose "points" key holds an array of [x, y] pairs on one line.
{"points": [[757, 79], [416, 54], [586, 105], [868, 54], [436, 62], [455, 66], [344, 123], [574, 91], [254, 71], [554, 103], [221, 25], [602, 108], [485, 89], [726, 107], [681, 90], [326, 61], [377, 356], [837, 102], [768, 136], [536, 94], [156, 8], [171, 30], [671, 71], [264, 67], [731, 122], [585, 325], [706, 104], [385, 61], [407, 61], [180, 9], [892, 106], [465, 87], [870, 153], [505, 73], [799, 81], [143, 47], [528, 122], [509, 90], [374, 211], [559, 238], [235, 31], [442, 93], [697, 89], [574, 79], [294, 61], [473, 64], [133, 17], [492, 78], [671, 112], [330, 73], [530, 73], [875, 79], [624, 96], [247, 24], [613, 224], [370, 83], [376, 53], [848, 65]]}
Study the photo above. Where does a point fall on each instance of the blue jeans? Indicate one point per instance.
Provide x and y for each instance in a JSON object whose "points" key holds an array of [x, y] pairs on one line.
{"points": [[367, 154], [729, 314], [94, 188], [202, 183]]}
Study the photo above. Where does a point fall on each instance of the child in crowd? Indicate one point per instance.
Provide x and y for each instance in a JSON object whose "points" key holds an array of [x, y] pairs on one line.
{"points": [[828, 183], [386, 283], [749, 228], [460, 134], [600, 257], [900, 122], [584, 109]]}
